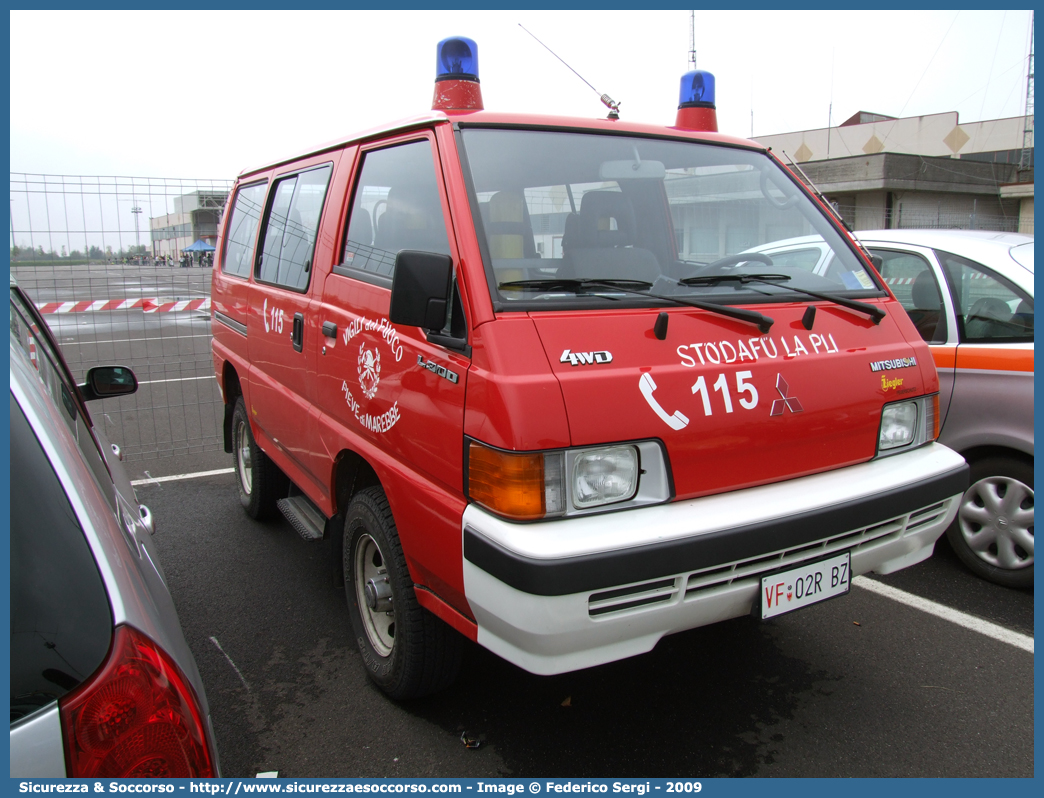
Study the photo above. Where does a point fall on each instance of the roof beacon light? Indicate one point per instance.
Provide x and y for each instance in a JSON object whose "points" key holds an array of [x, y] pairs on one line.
{"points": [[456, 76], [696, 109]]}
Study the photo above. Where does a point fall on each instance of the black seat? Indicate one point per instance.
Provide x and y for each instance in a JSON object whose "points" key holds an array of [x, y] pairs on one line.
{"points": [[927, 313], [600, 242]]}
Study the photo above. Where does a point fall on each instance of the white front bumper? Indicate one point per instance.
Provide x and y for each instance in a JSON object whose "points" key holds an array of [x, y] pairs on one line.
{"points": [[547, 631]]}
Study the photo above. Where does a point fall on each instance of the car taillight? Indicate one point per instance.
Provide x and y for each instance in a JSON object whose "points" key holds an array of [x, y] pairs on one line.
{"points": [[137, 717]]}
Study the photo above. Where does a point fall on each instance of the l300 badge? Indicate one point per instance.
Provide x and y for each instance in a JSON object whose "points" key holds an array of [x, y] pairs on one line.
{"points": [[435, 368]]}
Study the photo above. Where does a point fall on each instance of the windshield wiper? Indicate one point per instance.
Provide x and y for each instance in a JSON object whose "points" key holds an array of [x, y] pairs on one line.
{"points": [[575, 285], [875, 313], [640, 288], [715, 279]]}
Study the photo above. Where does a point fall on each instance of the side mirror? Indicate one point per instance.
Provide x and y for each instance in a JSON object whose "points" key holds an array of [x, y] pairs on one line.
{"points": [[421, 289], [878, 261], [105, 382]]}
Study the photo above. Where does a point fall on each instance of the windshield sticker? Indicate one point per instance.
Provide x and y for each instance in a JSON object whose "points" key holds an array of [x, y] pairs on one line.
{"points": [[895, 363], [753, 349], [368, 371]]}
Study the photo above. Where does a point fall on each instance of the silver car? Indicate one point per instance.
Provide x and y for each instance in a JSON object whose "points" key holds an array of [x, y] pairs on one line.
{"points": [[102, 681], [970, 295]]}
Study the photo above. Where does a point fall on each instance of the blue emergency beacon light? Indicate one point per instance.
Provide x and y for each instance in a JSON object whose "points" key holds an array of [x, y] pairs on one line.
{"points": [[696, 109], [456, 76]]}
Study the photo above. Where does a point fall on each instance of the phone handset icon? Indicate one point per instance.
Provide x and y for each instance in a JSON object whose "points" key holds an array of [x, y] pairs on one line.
{"points": [[647, 386]]}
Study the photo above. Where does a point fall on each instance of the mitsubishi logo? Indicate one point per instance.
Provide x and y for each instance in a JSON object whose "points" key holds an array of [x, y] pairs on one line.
{"points": [[786, 401]]}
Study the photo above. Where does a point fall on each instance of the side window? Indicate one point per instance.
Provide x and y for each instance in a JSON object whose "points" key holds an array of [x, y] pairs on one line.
{"points": [[35, 343], [914, 285], [291, 228], [60, 618], [989, 308], [396, 206], [242, 230]]}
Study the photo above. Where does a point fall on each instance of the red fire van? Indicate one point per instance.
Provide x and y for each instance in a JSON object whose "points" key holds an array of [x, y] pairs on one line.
{"points": [[539, 380]]}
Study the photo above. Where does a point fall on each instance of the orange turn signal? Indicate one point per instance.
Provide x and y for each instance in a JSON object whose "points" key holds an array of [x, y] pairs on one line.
{"points": [[507, 483]]}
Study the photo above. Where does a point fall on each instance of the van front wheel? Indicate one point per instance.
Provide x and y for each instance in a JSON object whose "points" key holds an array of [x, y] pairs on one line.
{"points": [[260, 482], [407, 651]]}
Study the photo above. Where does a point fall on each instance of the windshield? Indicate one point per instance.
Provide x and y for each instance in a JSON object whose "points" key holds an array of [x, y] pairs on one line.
{"points": [[564, 213]]}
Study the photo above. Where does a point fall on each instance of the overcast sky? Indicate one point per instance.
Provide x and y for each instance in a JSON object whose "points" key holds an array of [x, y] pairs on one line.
{"points": [[205, 94]]}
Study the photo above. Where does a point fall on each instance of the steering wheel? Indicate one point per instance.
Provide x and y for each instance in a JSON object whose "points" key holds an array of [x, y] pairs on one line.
{"points": [[782, 205], [990, 308], [721, 265]]}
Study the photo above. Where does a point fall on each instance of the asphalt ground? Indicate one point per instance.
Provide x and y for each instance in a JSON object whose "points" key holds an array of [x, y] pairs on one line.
{"points": [[857, 686]]}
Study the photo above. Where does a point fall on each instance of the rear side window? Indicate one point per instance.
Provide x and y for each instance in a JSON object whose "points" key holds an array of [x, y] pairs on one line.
{"points": [[989, 308], [396, 207], [242, 230], [291, 228], [60, 619], [914, 285]]}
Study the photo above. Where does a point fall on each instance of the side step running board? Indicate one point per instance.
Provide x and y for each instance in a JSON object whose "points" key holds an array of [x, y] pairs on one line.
{"points": [[303, 516]]}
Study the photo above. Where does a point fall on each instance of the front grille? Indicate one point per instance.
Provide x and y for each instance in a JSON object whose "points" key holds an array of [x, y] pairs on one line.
{"points": [[696, 583]]}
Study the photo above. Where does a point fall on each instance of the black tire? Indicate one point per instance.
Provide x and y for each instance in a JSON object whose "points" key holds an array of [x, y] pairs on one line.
{"points": [[993, 530], [406, 650], [260, 482]]}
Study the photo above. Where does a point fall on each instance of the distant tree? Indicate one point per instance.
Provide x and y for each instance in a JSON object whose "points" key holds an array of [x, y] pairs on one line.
{"points": [[15, 251], [95, 252], [63, 251]]}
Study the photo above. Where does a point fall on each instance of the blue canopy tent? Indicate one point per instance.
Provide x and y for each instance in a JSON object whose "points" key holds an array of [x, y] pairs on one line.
{"points": [[199, 246]]}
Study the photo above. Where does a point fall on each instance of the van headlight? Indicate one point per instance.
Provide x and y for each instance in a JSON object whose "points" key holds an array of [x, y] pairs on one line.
{"points": [[528, 486], [907, 425]]}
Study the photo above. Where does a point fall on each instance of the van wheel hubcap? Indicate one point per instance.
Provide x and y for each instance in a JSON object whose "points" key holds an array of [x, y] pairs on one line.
{"points": [[996, 521], [373, 592], [244, 458]]}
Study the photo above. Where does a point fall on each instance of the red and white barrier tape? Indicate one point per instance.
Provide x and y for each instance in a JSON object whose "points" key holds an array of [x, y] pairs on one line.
{"points": [[148, 305]]}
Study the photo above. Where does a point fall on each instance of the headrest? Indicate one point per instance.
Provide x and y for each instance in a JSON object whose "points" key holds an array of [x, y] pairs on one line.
{"points": [[606, 220], [925, 293]]}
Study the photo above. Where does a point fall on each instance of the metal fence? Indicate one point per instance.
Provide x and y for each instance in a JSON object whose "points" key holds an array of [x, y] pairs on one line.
{"points": [[81, 249]]}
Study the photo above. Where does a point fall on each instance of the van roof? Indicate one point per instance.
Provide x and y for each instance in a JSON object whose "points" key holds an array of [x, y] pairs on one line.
{"points": [[494, 118]]}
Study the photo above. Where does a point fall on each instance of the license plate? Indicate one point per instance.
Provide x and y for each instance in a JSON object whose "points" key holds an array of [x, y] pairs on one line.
{"points": [[807, 584]]}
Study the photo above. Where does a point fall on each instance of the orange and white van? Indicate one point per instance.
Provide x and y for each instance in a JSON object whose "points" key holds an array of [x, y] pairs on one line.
{"points": [[529, 375]]}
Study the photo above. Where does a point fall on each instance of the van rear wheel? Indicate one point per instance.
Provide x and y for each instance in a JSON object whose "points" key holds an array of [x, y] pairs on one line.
{"points": [[260, 482], [407, 651]]}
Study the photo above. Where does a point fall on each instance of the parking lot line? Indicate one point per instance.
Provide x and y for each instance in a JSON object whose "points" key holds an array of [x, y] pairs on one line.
{"points": [[175, 477], [1025, 642], [177, 379]]}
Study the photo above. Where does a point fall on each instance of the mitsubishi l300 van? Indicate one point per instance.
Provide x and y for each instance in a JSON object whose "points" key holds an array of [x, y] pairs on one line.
{"points": [[535, 378]]}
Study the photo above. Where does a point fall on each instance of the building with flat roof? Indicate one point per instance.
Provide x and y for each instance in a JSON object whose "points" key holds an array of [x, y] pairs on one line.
{"points": [[196, 216], [923, 171]]}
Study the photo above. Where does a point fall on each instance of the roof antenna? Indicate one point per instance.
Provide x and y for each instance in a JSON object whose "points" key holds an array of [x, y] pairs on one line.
{"points": [[610, 103]]}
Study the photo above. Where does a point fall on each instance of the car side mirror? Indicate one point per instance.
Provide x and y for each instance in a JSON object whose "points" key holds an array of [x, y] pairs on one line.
{"points": [[878, 261], [420, 291], [105, 382]]}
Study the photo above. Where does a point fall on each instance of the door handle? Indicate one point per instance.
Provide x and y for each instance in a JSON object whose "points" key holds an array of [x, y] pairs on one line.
{"points": [[297, 336], [329, 329]]}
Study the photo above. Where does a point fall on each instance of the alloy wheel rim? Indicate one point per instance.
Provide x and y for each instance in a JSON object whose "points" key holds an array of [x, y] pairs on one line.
{"points": [[996, 521]]}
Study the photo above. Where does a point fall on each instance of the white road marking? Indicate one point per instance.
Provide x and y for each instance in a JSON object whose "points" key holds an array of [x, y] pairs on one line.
{"points": [[214, 640], [178, 379], [175, 477], [1025, 642], [71, 342]]}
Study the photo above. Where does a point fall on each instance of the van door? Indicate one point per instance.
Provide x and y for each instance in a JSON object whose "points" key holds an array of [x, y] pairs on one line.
{"points": [[389, 384], [282, 331], [915, 278]]}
